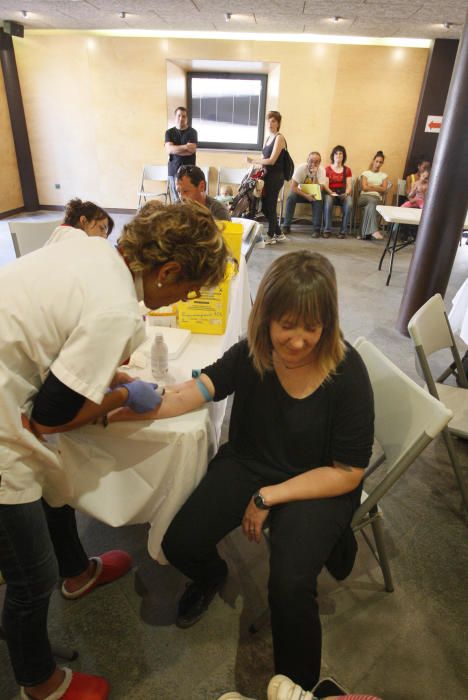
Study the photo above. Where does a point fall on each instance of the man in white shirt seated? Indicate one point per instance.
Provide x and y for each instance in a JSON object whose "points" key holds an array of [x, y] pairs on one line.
{"points": [[191, 184], [309, 173]]}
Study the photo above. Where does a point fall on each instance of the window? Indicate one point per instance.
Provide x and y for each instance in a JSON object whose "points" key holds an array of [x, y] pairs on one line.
{"points": [[227, 109]]}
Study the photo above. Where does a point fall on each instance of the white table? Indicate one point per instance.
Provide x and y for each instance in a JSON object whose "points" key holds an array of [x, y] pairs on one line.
{"points": [[458, 315], [396, 216], [142, 472]]}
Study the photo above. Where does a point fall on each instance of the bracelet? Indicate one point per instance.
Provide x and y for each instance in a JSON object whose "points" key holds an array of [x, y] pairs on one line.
{"points": [[203, 390]]}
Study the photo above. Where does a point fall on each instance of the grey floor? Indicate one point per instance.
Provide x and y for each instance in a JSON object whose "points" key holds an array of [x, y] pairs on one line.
{"points": [[407, 645]]}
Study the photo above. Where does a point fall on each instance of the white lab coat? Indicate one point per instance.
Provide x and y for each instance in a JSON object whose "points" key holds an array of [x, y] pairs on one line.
{"points": [[65, 233], [72, 309]]}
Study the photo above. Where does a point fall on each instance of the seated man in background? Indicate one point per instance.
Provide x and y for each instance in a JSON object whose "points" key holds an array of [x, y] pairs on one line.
{"points": [[309, 173], [191, 184]]}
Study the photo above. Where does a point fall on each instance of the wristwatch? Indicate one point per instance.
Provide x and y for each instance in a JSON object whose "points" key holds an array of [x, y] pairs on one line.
{"points": [[260, 501]]}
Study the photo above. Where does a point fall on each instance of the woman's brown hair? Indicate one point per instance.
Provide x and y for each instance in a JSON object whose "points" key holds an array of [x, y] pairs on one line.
{"points": [[75, 209], [300, 286], [275, 115], [185, 233]]}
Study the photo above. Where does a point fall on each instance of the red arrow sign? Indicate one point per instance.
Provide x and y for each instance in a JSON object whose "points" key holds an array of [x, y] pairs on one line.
{"points": [[434, 125]]}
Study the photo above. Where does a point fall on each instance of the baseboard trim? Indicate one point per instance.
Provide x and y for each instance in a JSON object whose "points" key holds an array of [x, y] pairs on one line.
{"points": [[11, 212]]}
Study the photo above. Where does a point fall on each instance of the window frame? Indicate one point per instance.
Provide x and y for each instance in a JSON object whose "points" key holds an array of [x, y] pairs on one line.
{"points": [[225, 146]]}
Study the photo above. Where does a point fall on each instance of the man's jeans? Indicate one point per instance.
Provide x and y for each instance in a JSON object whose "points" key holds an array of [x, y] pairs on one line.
{"points": [[346, 204], [294, 199]]}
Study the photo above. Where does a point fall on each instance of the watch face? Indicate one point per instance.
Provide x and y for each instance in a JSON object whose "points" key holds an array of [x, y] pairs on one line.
{"points": [[258, 500]]}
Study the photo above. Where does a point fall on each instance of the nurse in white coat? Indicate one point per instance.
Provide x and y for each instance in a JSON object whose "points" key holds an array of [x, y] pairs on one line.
{"points": [[69, 315], [82, 219]]}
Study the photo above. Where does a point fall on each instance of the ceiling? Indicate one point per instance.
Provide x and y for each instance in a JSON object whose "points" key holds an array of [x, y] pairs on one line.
{"points": [[370, 18]]}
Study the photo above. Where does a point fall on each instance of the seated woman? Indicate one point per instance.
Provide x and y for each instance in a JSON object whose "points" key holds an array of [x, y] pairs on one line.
{"points": [[422, 163], [417, 195], [373, 186], [338, 191], [82, 219], [301, 434]]}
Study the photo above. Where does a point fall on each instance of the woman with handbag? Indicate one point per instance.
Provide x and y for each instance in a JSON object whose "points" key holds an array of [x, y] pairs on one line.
{"points": [[337, 191], [273, 158]]}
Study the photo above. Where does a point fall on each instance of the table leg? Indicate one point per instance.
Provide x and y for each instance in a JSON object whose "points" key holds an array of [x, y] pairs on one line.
{"points": [[392, 252], [387, 245]]}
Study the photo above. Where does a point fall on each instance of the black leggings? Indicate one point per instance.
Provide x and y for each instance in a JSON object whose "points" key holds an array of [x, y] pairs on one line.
{"points": [[273, 184], [303, 535]]}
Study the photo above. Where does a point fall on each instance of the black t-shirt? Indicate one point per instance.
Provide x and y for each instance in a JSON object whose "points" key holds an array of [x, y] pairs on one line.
{"points": [[334, 423], [179, 138]]}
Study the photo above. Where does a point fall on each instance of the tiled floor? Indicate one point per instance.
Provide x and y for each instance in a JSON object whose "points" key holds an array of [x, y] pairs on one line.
{"points": [[408, 645]]}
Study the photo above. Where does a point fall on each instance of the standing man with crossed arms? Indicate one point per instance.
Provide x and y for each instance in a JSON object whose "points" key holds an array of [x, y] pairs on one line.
{"points": [[181, 144]]}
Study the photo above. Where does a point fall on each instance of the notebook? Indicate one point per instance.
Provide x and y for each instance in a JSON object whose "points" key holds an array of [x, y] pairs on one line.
{"points": [[311, 189]]}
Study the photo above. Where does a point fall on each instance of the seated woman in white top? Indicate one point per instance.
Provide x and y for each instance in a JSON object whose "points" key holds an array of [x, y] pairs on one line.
{"points": [[373, 186], [82, 219]]}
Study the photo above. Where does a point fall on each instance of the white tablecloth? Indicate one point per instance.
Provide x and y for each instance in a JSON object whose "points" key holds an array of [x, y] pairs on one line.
{"points": [[142, 472]]}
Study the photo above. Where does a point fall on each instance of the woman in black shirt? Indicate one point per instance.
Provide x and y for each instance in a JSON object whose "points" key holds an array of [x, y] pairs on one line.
{"points": [[273, 157], [300, 436]]}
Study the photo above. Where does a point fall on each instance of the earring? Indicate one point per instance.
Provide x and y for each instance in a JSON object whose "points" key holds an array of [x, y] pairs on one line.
{"points": [[159, 284]]}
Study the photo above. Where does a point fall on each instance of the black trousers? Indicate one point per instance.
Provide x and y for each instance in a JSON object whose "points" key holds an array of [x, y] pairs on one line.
{"points": [[273, 184], [303, 535]]}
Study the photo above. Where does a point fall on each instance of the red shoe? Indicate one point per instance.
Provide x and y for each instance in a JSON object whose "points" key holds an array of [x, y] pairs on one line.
{"points": [[109, 567], [78, 686]]}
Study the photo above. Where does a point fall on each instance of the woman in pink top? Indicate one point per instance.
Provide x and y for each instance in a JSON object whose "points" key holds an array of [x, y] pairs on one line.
{"points": [[417, 195]]}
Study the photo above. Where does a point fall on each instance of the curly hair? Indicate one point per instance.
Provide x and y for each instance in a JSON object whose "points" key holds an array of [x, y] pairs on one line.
{"points": [[302, 286], [185, 233], [75, 209]]}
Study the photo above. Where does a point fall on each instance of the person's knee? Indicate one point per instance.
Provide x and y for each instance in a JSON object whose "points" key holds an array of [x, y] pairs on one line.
{"points": [[287, 589], [37, 585]]}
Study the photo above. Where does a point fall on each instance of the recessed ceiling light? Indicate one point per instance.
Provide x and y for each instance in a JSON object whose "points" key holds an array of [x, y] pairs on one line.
{"points": [[227, 16], [448, 25], [122, 15], [337, 18], [24, 13]]}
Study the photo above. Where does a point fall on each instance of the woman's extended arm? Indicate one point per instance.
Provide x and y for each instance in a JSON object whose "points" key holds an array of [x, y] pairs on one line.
{"points": [[178, 399], [322, 482]]}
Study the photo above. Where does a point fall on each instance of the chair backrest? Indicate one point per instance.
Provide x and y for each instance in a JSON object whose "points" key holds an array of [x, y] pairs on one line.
{"points": [[156, 173], [230, 176], [387, 191], [401, 191], [407, 419], [430, 331], [28, 236]]}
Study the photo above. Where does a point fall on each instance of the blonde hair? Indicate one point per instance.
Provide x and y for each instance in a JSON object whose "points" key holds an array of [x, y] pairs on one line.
{"points": [[185, 233], [302, 287]]}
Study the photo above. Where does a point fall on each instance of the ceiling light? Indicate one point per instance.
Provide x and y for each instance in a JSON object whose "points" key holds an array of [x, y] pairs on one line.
{"points": [[122, 15], [337, 18], [24, 13], [227, 16], [448, 25]]}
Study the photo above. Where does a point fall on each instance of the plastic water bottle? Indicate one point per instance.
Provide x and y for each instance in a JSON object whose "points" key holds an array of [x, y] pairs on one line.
{"points": [[159, 357]]}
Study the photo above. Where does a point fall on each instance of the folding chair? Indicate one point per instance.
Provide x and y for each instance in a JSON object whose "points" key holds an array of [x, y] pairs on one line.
{"points": [[407, 419], [28, 236], [430, 332], [401, 192], [230, 176], [153, 173]]}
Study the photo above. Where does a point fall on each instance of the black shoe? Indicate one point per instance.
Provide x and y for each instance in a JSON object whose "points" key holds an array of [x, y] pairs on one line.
{"points": [[195, 602], [316, 234], [326, 687]]}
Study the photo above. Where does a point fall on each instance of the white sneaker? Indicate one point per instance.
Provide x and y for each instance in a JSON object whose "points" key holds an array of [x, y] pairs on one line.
{"points": [[282, 688], [270, 241], [234, 696], [280, 237]]}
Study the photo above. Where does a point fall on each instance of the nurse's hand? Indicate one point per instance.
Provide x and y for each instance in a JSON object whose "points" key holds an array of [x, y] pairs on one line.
{"points": [[252, 522], [121, 378], [142, 396]]}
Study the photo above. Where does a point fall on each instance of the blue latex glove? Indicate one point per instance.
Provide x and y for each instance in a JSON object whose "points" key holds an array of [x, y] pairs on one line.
{"points": [[142, 396]]}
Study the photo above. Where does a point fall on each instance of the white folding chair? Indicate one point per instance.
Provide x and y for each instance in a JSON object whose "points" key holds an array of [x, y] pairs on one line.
{"points": [[430, 332], [153, 174], [230, 176], [407, 419], [401, 191], [31, 235], [206, 173]]}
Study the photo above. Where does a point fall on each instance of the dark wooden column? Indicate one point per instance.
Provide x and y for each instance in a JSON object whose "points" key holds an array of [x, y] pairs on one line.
{"points": [[18, 122], [446, 201]]}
